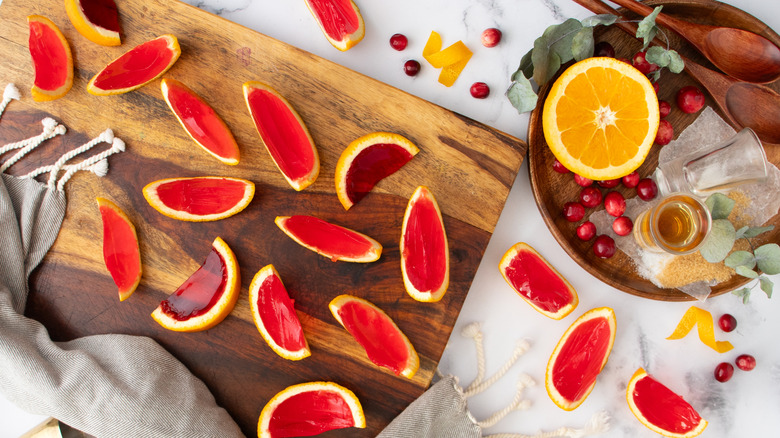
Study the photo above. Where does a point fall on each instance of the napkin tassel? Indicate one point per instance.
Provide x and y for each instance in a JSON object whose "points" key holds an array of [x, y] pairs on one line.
{"points": [[10, 93]]}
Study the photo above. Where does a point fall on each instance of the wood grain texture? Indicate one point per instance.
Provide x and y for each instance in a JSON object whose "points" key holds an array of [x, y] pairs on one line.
{"points": [[552, 190], [469, 167]]}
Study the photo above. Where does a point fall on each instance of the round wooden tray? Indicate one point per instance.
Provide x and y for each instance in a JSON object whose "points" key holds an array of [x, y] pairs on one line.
{"points": [[551, 190]]}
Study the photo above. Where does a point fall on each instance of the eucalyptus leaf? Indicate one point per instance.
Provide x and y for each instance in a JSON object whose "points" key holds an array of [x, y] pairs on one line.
{"points": [[582, 45], [720, 206], [741, 232], [740, 258], [647, 28], [655, 76], [526, 67], [768, 258], [601, 19], [720, 241], [546, 62], [743, 293], [658, 56], [521, 95], [746, 272], [676, 63], [766, 285], [559, 39], [757, 231]]}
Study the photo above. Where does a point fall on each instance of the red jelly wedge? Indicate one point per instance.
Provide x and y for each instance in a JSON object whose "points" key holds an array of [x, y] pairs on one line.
{"points": [[340, 21], [199, 199], [660, 409], [425, 255], [51, 58], [275, 317], [120, 248], [385, 344], [96, 20], [332, 241], [137, 67], [200, 121], [284, 134]]}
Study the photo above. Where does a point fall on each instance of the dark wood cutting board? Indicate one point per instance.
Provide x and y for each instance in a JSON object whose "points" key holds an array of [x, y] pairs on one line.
{"points": [[468, 166]]}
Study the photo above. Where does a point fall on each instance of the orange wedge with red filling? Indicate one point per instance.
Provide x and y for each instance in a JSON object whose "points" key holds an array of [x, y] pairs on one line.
{"points": [[425, 255], [332, 241], [120, 248], [206, 297], [368, 160], [340, 21], [136, 67], [660, 409], [385, 344], [51, 58], [310, 409], [96, 20], [275, 317], [199, 199], [284, 134]]}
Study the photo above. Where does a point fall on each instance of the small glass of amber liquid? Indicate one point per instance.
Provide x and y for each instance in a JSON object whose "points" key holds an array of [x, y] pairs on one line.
{"points": [[679, 224]]}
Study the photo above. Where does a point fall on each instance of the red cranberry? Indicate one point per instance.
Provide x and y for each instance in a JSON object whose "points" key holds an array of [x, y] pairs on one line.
{"points": [[727, 322], [615, 204], [398, 41], [610, 183], [573, 211], [664, 134], [646, 189], [690, 99], [631, 180], [724, 371], [622, 226], [664, 108], [582, 181], [642, 65], [586, 231], [604, 246], [656, 88], [590, 197], [604, 49], [411, 67], [491, 37], [746, 362], [626, 60], [479, 90], [560, 168]]}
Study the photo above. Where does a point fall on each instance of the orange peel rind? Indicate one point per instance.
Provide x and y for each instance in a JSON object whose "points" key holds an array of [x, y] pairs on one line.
{"points": [[696, 316], [451, 60]]}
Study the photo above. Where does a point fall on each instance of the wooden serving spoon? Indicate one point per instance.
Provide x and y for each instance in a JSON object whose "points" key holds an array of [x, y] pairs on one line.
{"points": [[738, 53], [745, 105]]}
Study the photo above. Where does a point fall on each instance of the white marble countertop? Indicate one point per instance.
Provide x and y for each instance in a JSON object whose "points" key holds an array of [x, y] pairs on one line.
{"points": [[745, 406]]}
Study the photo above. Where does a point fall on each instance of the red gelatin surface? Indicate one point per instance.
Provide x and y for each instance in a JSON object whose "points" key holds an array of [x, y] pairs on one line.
{"points": [[200, 292], [326, 237], [424, 246], [338, 18], [278, 314], [138, 66], [373, 164], [310, 413], [536, 281], [201, 196], [376, 333], [102, 13], [663, 407], [575, 375], [49, 57], [120, 249]]}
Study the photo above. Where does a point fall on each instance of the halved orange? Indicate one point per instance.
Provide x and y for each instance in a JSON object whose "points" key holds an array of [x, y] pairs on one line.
{"points": [[96, 20], [368, 160], [275, 317], [284, 134], [660, 409], [579, 357], [206, 297], [120, 248], [425, 254], [537, 282], [199, 199], [600, 118], [137, 67], [51, 58], [340, 21], [385, 344], [308, 409], [332, 241], [204, 126]]}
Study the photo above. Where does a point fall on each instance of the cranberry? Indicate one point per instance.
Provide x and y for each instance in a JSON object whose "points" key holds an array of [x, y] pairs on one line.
{"points": [[724, 371], [590, 197], [646, 189], [398, 41], [626, 60], [642, 65], [631, 180], [411, 67], [479, 90], [560, 168], [586, 231], [610, 183], [604, 246], [727, 322], [622, 226], [664, 108], [582, 181], [615, 204], [746, 362], [604, 49], [656, 88], [573, 211], [664, 134], [690, 99], [491, 37]]}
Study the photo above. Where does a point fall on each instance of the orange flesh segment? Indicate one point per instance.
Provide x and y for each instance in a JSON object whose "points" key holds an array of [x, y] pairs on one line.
{"points": [[531, 277], [371, 165], [310, 413], [425, 251], [51, 60], [138, 66], [338, 17], [580, 360], [327, 238], [200, 292], [278, 315], [120, 250], [201, 196], [663, 408]]}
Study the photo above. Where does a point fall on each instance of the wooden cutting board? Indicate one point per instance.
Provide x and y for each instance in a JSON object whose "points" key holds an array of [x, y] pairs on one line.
{"points": [[468, 166]]}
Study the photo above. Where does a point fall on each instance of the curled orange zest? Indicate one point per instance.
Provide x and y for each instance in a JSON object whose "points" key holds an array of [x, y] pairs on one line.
{"points": [[702, 318], [451, 60]]}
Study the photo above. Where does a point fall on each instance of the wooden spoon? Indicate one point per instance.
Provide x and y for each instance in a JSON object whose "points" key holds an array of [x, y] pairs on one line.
{"points": [[745, 105], [738, 53]]}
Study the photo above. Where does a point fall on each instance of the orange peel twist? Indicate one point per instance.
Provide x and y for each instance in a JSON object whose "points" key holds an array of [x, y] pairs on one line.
{"points": [[451, 60], [695, 316]]}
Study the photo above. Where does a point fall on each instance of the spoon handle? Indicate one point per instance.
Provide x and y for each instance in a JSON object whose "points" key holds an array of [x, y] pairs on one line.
{"points": [[642, 9]]}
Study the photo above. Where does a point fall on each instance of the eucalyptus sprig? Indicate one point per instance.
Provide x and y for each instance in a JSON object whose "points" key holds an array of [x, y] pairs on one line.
{"points": [[721, 241], [573, 40]]}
